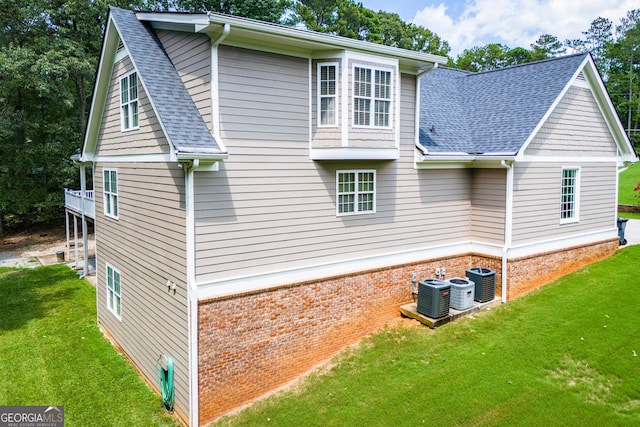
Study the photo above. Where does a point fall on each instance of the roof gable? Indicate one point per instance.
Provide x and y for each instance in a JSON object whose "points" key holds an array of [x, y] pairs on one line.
{"points": [[178, 116], [499, 112]]}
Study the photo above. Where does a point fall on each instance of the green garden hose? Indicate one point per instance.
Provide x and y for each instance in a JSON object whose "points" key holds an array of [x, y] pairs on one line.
{"points": [[165, 382]]}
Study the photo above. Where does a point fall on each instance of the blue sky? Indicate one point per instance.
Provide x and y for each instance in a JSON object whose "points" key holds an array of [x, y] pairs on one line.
{"points": [[468, 23]]}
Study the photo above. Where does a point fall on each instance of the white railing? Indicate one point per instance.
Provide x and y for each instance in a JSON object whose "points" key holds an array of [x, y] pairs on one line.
{"points": [[73, 200]]}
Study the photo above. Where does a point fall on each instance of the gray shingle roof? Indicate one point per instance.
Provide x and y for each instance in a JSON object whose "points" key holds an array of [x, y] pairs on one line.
{"points": [[181, 120], [493, 111]]}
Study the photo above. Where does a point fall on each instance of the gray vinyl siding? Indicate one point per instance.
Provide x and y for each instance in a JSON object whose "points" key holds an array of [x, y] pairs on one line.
{"points": [[488, 203], [576, 127], [372, 136], [264, 100], [537, 194], [270, 208], [148, 139], [147, 246], [326, 136], [191, 56]]}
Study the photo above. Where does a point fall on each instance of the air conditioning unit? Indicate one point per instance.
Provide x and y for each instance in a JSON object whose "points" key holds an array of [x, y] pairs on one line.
{"points": [[433, 298], [462, 293], [485, 280]]}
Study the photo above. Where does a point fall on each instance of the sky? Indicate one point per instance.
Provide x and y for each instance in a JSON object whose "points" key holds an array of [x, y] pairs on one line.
{"points": [[515, 23]]}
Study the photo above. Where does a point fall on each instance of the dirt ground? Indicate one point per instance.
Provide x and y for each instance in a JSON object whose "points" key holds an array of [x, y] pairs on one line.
{"points": [[37, 247]]}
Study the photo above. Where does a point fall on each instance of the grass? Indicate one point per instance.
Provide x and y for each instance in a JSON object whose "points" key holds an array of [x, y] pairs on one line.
{"points": [[567, 354], [52, 353], [629, 179]]}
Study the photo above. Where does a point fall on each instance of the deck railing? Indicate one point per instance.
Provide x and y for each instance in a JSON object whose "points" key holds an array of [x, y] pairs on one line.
{"points": [[73, 200]]}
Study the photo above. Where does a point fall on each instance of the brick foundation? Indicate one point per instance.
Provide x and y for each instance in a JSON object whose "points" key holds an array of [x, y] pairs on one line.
{"points": [[528, 273], [252, 343]]}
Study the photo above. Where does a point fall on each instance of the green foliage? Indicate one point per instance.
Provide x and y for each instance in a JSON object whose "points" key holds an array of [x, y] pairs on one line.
{"points": [[56, 355], [627, 182], [559, 356], [263, 10]]}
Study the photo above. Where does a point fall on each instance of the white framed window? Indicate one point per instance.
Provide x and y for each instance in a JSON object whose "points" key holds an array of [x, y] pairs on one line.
{"points": [[570, 195], [327, 93], [114, 292], [110, 190], [371, 97], [355, 192], [129, 102]]}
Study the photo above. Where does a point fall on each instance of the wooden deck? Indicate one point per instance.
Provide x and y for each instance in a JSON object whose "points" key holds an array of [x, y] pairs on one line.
{"points": [[411, 310]]}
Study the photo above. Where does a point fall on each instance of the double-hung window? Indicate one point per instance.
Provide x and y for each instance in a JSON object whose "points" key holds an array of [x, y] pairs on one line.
{"points": [[371, 97], [110, 183], [356, 192], [569, 203], [327, 94], [114, 299], [129, 101]]}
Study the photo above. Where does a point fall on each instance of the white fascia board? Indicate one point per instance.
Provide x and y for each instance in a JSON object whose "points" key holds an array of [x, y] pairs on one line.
{"points": [[354, 153], [100, 90], [625, 149], [135, 158], [303, 38]]}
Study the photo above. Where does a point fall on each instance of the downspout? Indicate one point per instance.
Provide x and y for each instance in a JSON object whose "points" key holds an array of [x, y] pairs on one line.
{"points": [[85, 240], [215, 100], [508, 225], [192, 294]]}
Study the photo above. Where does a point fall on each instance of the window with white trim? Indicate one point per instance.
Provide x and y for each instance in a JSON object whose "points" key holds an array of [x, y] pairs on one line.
{"points": [[114, 298], [356, 192], [371, 97], [110, 190], [129, 101], [570, 195], [327, 94]]}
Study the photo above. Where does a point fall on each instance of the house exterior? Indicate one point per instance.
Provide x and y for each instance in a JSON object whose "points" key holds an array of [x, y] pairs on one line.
{"points": [[264, 195]]}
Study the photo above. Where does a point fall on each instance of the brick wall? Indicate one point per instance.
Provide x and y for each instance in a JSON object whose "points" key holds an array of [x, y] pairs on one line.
{"points": [[252, 343], [528, 273]]}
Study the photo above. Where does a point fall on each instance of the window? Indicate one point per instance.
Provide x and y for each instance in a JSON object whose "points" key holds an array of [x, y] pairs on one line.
{"points": [[113, 291], [570, 195], [110, 182], [356, 192], [129, 101], [371, 97], [327, 92]]}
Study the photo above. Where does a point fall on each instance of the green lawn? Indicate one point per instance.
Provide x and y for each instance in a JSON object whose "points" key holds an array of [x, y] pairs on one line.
{"points": [[629, 179], [568, 354], [52, 353]]}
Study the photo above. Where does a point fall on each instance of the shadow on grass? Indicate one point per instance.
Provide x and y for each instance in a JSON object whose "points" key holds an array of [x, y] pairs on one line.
{"points": [[28, 294]]}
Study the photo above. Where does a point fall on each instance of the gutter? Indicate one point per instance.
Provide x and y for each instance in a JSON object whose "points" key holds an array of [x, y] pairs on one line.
{"points": [[508, 225]]}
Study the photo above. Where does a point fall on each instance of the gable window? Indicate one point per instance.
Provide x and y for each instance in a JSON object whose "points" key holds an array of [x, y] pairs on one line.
{"points": [[114, 298], [356, 192], [570, 195], [327, 94], [129, 101], [110, 183], [371, 97]]}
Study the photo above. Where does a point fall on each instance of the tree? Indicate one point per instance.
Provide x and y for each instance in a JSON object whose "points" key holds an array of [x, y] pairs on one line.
{"points": [[395, 32], [483, 58], [546, 46], [597, 39], [263, 10]]}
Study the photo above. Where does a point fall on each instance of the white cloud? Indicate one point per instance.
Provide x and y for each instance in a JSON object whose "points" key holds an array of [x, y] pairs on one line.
{"points": [[517, 22]]}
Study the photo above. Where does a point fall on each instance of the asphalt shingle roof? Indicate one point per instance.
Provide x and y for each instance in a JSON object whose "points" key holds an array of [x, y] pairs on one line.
{"points": [[493, 111], [184, 126]]}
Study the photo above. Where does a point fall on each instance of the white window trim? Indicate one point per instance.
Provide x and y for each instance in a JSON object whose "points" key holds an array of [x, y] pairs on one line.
{"points": [[130, 102], [576, 204], [372, 104], [355, 202], [320, 96], [109, 193], [108, 290]]}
